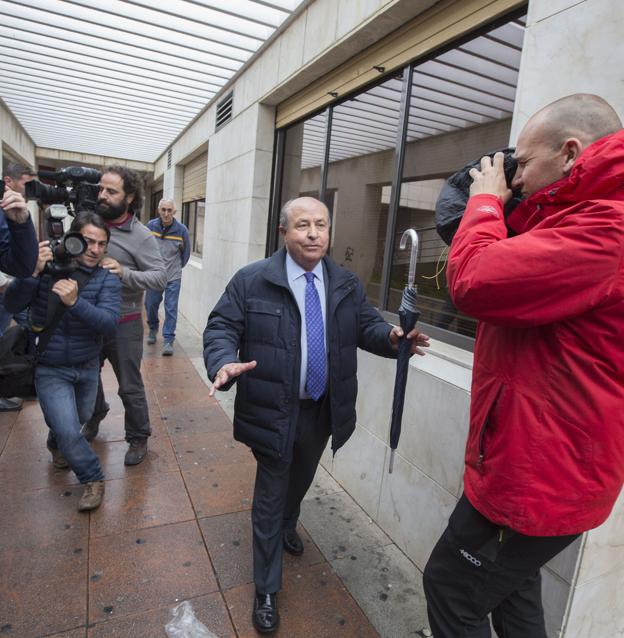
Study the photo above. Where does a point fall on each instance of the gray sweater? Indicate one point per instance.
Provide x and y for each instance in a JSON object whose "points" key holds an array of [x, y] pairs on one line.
{"points": [[135, 248]]}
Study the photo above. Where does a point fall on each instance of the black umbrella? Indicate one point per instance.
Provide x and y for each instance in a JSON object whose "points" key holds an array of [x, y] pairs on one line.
{"points": [[408, 316]]}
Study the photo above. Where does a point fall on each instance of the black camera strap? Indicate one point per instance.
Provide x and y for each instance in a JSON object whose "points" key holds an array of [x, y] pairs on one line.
{"points": [[56, 310]]}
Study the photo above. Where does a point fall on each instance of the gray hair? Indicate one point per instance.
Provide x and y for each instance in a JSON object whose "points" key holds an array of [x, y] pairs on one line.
{"points": [[286, 208], [167, 199]]}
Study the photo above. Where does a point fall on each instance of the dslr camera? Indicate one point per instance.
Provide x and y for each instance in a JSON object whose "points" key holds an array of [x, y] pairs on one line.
{"points": [[76, 190]]}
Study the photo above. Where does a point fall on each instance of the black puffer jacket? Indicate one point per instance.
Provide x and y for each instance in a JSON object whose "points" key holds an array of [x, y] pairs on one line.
{"points": [[257, 318]]}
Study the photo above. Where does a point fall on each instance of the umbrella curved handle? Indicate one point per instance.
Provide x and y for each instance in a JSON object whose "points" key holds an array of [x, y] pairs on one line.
{"points": [[413, 235]]}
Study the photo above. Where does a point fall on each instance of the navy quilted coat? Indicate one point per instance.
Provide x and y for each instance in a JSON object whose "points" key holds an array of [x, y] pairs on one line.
{"points": [[78, 338], [257, 318]]}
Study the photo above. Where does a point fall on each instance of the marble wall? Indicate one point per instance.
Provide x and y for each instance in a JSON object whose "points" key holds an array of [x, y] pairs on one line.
{"points": [[15, 140]]}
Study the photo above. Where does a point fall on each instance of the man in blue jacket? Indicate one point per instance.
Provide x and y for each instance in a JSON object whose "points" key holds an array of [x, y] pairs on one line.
{"points": [[67, 371], [287, 329], [175, 249]]}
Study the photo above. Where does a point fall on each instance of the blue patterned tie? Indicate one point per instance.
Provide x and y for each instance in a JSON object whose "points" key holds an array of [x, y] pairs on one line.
{"points": [[316, 375]]}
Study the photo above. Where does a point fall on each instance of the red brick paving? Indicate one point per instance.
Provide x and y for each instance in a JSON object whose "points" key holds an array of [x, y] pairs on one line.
{"points": [[175, 527]]}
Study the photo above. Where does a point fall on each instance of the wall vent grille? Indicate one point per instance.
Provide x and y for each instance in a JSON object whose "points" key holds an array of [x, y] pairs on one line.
{"points": [[224, 111]]}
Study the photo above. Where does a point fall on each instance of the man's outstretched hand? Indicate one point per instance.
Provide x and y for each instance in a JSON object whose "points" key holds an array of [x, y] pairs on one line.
{"points": [[228, 372]]}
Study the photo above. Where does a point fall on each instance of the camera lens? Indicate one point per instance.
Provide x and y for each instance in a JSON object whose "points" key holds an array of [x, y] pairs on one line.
{"points": [[74, 244]]}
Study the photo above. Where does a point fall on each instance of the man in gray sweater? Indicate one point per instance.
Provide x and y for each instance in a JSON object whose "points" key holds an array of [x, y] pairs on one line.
{"points": [[134, 257]]}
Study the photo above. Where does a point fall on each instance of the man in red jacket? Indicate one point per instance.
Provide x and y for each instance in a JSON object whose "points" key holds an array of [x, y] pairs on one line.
{"points": [[545, 450]]}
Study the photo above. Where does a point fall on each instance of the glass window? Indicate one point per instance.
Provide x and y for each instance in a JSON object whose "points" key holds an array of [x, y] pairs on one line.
{"points": [[457, 107], [416, 210], [200, 215], [154, 201], [361, 160], [193, 216], [303, 156]]}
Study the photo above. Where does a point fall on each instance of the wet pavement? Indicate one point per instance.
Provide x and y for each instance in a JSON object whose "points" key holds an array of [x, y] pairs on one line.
{"points": [[177, 527]]}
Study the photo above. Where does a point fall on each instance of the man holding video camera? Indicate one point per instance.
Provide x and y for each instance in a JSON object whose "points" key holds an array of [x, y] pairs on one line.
{"points": [[545, 450], [134, 257], [71, 307], [18, 243]]}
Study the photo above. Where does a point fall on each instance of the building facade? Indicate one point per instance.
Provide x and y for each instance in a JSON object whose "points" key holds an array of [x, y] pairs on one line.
{"points": [[370, 105]]}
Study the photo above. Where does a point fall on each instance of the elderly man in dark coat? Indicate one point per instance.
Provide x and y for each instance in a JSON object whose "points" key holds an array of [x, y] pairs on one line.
{"points": [[288, 328]]}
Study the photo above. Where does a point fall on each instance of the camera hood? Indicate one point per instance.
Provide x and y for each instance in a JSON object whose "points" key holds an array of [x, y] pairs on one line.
{"points": [[454, 195]]}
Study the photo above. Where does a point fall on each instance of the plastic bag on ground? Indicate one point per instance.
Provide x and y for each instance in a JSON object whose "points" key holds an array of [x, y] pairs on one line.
{"points": [[185, 624]]}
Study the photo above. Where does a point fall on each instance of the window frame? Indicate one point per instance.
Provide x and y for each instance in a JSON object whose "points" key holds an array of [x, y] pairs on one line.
{"points": [[447, 336], [189, 219]]}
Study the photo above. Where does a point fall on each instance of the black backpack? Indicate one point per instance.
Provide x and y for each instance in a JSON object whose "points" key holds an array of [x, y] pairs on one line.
{"points": [[17, 364]]}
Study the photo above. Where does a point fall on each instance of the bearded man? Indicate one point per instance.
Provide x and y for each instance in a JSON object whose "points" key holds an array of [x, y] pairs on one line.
{"points": [[134, 257]]}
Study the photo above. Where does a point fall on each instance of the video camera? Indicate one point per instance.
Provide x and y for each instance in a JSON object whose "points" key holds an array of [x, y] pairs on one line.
{"points": [[66, 247], [76, 191], [76, 187], [454, 195]]}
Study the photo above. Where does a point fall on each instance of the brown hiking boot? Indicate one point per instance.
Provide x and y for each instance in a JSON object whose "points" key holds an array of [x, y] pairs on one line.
{"points": [[58, 461], [92, 496]]}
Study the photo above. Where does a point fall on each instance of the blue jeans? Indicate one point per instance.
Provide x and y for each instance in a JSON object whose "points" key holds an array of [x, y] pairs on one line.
{"points": [[152, 303], [67, 396]]}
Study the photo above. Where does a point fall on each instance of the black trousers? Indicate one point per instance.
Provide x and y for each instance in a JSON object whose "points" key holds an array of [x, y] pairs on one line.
{"points": [[478, 568], [279, 489], [124, 349]]}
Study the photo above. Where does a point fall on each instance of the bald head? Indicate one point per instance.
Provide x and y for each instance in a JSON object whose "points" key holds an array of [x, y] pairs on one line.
{"points": [[584, 116], [555, 137], [300, 203], [166, 210]]}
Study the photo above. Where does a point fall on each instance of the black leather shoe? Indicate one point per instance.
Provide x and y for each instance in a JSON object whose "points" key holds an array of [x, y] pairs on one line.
{"points": [[10, 405], [292, 542], [265, 617], [136, 452], [91, 428]]}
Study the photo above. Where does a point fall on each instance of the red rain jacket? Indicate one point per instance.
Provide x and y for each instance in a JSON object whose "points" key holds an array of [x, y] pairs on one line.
{"points": [[545, 450]]}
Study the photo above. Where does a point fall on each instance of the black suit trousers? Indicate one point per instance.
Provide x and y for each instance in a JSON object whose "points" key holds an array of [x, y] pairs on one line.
{"points": [[279, 489]]}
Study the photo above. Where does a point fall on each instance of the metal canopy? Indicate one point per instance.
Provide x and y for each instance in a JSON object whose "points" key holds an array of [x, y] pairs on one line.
{"points": [[123, 78], [471, 84]]}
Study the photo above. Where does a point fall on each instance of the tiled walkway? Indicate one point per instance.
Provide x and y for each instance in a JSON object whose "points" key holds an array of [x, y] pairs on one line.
{"points": [[174, 528]]}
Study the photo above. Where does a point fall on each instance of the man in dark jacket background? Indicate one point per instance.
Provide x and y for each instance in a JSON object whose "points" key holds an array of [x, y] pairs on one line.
{"points": [[18, 243], [18, 240], [67, 371], [545, 449], [288, 328]]}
